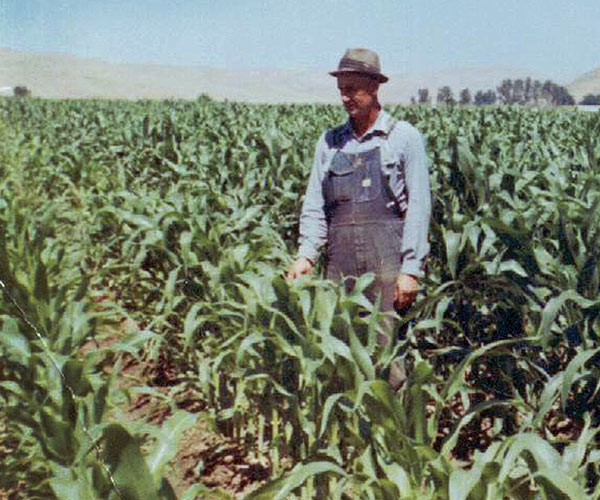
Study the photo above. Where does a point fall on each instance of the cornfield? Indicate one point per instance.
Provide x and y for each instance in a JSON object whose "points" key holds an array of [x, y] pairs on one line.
{"points": [[182, 216]]}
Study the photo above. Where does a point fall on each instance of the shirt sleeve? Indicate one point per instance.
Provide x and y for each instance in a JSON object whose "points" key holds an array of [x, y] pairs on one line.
{"points": [[313, 225], [415, 246]]}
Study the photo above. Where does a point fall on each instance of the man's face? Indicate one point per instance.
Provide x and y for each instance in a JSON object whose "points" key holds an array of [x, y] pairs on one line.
{"points": [[359, 93]]}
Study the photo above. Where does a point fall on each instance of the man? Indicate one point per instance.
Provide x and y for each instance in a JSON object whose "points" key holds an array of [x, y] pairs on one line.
{"points": [[368, 199]]}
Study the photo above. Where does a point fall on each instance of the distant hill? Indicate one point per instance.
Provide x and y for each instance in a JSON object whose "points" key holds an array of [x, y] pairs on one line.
{"points": [[68, 76], [588, 83]]}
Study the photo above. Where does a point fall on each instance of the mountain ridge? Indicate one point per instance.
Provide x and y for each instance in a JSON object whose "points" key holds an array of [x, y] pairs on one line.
{"points": [[66, 76]]}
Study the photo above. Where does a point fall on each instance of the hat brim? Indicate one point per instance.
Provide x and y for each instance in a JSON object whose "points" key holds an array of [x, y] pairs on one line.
{"points": [[378, 77]]}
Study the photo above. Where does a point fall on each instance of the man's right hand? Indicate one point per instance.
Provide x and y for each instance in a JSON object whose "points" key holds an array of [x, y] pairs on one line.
{"points": [[298, 267]]}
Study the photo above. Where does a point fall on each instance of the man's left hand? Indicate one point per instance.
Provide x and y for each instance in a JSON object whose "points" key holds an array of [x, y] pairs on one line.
{"points": [[405, 290]]}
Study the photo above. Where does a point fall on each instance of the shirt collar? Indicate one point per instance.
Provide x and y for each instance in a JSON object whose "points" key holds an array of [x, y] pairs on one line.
{"points": [[380, 127]]}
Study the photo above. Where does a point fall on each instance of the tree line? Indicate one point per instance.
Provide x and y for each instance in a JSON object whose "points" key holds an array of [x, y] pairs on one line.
{"points": [[524, 92]]}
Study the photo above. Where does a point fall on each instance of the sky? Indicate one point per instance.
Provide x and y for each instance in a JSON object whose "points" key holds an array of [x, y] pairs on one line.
{"points": [[556, 38]]}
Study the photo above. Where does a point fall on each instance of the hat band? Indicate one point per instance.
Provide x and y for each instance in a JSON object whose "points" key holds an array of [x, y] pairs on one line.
{"points": [[354, 65]]}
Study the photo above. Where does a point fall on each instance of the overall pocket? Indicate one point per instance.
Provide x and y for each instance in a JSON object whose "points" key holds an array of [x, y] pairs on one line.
{"points": [[368, 182], [341, 181]]}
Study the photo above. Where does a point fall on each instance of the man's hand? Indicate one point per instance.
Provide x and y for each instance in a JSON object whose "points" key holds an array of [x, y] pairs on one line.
{"points": [[405, 291], [298, 267]]}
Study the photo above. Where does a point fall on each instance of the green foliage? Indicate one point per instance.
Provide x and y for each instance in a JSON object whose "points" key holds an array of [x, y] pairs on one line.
{"points": [[186, 214], [56, 399]]}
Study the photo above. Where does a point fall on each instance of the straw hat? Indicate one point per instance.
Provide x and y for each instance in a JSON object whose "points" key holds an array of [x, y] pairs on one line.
{"points": [[363, 61]]}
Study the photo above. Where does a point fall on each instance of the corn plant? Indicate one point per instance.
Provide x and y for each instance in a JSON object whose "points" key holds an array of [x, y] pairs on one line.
{"points": [[184, 214]]}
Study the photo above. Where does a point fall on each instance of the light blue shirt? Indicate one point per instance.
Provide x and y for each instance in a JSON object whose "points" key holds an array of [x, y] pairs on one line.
{"points": [[404, 163]]}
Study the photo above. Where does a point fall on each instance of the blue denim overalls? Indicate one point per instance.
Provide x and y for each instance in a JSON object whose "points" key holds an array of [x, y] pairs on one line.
{"points": [[364, 223]]}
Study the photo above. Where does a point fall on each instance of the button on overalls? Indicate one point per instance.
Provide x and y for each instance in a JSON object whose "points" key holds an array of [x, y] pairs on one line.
{"points": [[364, 223]]}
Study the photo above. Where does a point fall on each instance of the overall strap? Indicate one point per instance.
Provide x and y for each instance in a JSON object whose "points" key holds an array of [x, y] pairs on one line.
{"points": [[391, 126]]}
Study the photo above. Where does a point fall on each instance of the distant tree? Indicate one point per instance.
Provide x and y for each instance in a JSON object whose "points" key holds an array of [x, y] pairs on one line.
{"points": [[532, 92], [505, 91], [528, 91], [21, 91], [444, 95], [518, 92], [536, 92], [556, 95], [485, 98], [423, 96], [561, 97], [465, 97], [547, 91], [413, 100], [590, 100]]}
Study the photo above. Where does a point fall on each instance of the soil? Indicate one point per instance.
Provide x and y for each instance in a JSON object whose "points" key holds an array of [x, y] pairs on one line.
{"points": [[223, 464], [226, 466]]}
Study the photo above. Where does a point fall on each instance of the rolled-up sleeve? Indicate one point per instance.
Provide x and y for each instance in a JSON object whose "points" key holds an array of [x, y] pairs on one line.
{"points": [[313, 225], [415, 245]]}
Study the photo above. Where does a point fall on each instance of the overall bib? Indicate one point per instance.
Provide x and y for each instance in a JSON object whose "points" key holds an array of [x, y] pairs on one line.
{"points": [[364, 224]]}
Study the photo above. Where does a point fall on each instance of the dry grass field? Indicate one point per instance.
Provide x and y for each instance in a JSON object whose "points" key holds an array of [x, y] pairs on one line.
{"points": [[71, 77]]}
